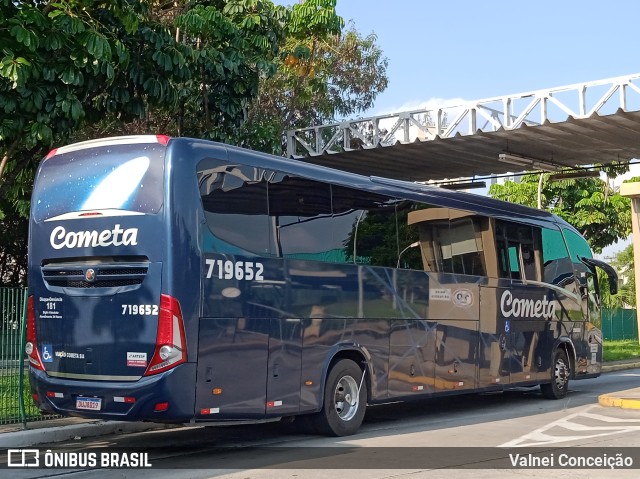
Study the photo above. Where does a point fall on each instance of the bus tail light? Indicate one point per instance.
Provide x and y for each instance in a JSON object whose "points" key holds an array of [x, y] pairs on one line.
{"points": [[161, 407], [31, 348], [170, 340]]}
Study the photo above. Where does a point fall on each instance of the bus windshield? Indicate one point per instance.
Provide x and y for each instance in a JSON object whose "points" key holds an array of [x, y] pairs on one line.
{"points": [[115, 177]]}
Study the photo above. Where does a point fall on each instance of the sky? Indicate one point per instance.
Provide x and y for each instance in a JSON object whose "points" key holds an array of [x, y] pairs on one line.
{"points": [[453, 51], [473, 50]]}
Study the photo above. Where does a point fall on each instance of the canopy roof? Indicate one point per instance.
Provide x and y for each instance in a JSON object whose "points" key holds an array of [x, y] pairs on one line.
{"points": [[576, 125]]}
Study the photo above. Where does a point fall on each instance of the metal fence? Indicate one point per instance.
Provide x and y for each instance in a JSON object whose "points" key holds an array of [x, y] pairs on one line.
{"points": [[16, 404], [619, 324]]}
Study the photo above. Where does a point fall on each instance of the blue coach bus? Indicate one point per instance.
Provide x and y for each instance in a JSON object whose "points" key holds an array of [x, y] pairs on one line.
{"points": [[180, 280]]}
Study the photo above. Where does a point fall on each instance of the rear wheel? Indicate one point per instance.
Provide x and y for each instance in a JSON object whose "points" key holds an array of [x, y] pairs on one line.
{"points": [[560, 373], [345, 400]]}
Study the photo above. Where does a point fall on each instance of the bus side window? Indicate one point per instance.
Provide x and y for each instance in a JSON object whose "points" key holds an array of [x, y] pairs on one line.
{"points": [[466, 245], [451, 241], [234, 198], [365, 224], [528, 239], [578, 247], [514, 261], [508, 262], [411, 254], [557, 265], [519, 253], [300, 213]]}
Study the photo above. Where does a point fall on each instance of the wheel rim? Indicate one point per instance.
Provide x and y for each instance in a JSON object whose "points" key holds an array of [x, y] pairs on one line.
{"points": [[561, 373], [346, 398]]}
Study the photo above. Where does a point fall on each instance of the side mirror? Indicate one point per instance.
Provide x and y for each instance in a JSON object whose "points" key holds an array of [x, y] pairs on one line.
{"points": [[608, 269]]}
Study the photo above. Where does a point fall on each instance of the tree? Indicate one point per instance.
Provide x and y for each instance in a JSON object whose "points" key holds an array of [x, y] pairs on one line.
{"points": [[188, 68], [598, 212], [77, 69], [322, 76], [623, 262], [13, 257]]}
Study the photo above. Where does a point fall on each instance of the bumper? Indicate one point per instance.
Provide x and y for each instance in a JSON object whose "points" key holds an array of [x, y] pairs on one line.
{"points": [[121, 401]]}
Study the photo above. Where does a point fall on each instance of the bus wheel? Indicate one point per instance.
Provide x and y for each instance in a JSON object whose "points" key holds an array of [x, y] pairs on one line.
{"points": [[345, 400], [560, 373]]}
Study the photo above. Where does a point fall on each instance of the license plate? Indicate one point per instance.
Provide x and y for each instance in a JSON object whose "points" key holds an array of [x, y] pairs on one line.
{"points": [[90, 404]]}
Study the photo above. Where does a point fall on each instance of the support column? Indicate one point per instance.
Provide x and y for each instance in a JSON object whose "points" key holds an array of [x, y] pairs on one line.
{"points": [[632, 190]]}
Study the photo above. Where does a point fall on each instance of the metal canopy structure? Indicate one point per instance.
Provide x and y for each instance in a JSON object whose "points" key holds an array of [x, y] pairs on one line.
{"points": [[570, 126]]}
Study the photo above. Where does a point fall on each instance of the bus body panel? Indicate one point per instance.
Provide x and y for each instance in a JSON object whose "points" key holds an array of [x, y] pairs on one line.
{"points": [[231, 368]]}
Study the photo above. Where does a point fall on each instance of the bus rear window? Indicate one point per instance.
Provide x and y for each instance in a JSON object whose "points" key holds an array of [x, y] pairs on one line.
{"points": [[124, 177]]}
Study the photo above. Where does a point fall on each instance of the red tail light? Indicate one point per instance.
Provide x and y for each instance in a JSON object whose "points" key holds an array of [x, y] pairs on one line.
{"points": [[32, 346], [163, 139], [51, 153], [171, 346]]}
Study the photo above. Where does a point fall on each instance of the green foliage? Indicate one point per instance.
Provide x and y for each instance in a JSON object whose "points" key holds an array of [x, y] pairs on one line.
{"points": [[601, 215], [319, 79], [623, 262], [77, 68], [314, 19], [13, 247], [620, 350], [72, 70]]}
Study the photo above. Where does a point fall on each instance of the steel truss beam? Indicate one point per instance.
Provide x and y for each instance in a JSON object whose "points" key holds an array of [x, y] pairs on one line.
{"points": [[504, 113]]}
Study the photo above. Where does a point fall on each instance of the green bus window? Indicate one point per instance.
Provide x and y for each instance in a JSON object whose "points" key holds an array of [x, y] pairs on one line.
{"points": [[514, 262], [555, 257], [577, 245]]}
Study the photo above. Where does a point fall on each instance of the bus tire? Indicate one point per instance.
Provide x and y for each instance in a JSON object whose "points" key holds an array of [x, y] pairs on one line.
{"points": [[560, 374], [343, 406]]}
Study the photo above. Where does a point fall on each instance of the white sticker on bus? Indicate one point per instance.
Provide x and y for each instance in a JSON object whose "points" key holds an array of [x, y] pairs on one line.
{"points": [[238, 270], [138, 360], [443, 294], [463, 297]]}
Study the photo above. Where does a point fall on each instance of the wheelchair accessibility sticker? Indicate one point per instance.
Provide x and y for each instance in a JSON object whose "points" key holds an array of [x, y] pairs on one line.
{"points": [[47, 353]]}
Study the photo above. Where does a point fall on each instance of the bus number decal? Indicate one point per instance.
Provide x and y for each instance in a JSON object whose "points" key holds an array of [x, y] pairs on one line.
{"points": [[239, 270], [140, 309]]}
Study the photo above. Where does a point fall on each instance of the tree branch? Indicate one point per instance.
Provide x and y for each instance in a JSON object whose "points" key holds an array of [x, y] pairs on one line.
{"points": [[5, 158]]}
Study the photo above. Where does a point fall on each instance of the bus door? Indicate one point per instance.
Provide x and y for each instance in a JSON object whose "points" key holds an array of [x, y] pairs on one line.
{"points": [[232, 345], [495, 339], [285, 301], [531, 315], [457, 336]]}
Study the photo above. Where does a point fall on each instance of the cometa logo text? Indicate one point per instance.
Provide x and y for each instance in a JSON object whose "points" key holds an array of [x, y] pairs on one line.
{"points": [[526, 308], [60, 238]]}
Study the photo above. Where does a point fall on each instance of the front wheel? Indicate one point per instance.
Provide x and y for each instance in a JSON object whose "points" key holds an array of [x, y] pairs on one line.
{"points": [[345, 400], [560, 373]]}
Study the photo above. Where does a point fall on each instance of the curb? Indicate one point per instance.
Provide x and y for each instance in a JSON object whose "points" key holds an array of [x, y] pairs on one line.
{"points": [[618, 399], [621, 402], [619, 366], [33, 437]]}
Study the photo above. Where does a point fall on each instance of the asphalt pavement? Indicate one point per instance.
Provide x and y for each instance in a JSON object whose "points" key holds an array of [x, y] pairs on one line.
{"points": [[65, 429]]}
